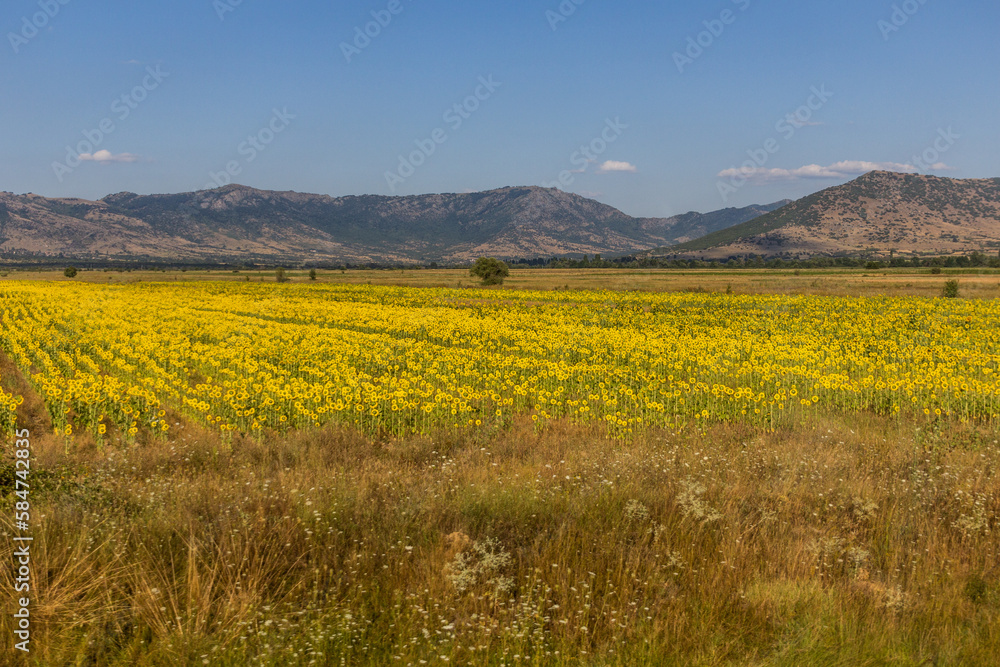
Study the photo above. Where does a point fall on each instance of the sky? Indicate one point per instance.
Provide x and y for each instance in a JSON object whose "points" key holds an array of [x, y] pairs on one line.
{"points": [[656, 108]]}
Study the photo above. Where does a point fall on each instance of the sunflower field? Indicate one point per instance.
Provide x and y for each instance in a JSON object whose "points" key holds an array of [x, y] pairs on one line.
{"points": [[250, 358]]}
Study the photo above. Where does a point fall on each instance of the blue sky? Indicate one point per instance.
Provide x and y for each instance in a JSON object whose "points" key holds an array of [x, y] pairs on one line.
{"points": [[815, 93]]}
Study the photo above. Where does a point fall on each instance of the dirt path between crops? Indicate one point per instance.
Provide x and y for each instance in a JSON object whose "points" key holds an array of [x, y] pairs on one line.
{"points": [[31, 414]]}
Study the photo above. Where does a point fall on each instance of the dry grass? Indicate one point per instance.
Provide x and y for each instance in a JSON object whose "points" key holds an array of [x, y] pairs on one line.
{"points": [[853, 541], [981, 283]]}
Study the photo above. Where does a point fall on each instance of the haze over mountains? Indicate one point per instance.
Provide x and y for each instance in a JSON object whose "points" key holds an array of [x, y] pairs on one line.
{"points": [[242, 224], [874, 215]]}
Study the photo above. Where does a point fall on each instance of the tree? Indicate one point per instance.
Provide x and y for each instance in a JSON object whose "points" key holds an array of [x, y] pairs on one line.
{"points": [[950, 290], [312, 274], [70, 272], [279, 274], [490, 271]]}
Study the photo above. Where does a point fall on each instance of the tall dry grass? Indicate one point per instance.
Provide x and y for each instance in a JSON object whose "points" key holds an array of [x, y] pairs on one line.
{"points": [[841, 541]]}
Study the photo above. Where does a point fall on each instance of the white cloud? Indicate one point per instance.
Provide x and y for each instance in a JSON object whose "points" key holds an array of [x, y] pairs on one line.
{"points": [[844, 169], [105, 157], [613, 166]]}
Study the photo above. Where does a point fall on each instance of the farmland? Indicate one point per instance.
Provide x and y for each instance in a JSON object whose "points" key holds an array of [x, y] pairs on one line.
{"points": [[389, 474], [391, 360], [982, 283]]}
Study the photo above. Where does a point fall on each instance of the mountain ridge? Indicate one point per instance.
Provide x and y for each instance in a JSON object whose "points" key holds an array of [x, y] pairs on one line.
{"points": [[241, 223], [878, 214]]}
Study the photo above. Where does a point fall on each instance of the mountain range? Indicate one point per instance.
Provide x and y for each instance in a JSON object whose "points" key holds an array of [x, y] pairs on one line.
{"points": [[878, 214], [238, 224]]}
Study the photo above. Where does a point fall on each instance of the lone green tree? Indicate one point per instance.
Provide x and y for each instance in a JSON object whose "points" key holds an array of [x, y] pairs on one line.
{"points": [[312, 274], [70, 272], [279, 274], [490, 271]]}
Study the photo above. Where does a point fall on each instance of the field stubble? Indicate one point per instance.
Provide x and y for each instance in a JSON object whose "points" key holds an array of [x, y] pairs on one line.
{"points": [[983, 283]]}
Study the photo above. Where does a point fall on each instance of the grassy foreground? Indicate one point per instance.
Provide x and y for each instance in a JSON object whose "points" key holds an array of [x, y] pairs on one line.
{"points": [[841, 541]]}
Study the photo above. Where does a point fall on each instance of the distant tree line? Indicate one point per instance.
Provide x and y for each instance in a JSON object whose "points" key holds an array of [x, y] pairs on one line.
{"points": [[975, 259], [972, 260]]}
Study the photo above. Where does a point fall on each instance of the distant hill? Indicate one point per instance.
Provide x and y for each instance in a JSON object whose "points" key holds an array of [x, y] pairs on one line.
{"points": [[874, 215], [241, 224], [690, 226]]}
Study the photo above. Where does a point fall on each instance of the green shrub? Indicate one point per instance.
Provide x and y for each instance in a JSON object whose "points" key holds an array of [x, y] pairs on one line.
{"points": [[490, 271], [950, 290]]}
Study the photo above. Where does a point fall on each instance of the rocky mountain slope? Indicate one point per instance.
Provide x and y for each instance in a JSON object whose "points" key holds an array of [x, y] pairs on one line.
{"points": [[875, 215], [242, 224]]}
